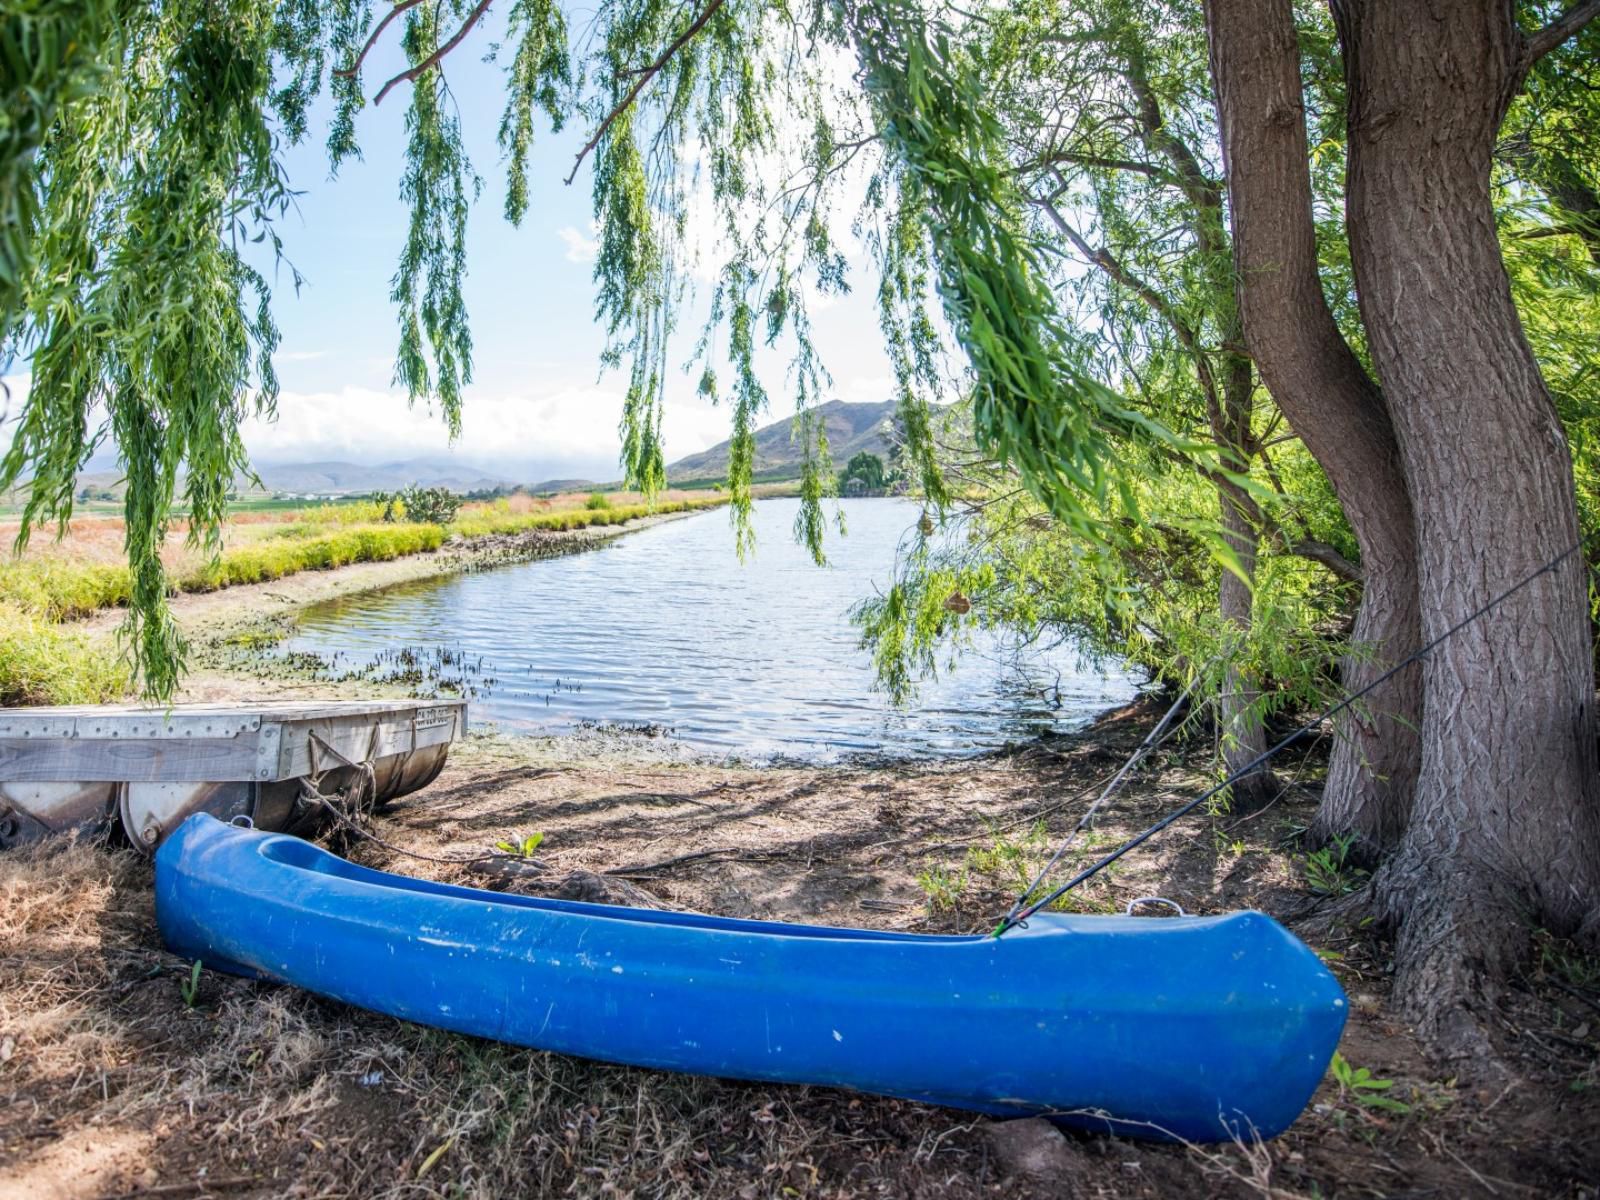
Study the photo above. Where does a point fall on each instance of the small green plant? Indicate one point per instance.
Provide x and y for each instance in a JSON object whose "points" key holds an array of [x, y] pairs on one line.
{"points": [[944, 887], [524, 848], [1362, 1086], [1567, 963], [1329, 871], [1010, 859], [189, 986], [597, 501]]}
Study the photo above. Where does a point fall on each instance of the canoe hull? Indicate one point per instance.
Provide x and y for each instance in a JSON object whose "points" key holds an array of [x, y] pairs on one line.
{"points": [[1198, 1028]]}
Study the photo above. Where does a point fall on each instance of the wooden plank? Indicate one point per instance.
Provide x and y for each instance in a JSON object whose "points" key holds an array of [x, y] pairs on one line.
{"points": [[38, 760]]}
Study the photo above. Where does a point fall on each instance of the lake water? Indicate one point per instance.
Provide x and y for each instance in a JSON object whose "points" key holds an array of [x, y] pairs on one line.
{"points": [[666, 628]]}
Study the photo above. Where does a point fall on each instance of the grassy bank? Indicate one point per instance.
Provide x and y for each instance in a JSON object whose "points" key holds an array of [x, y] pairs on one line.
{"points": [[44, 661]]}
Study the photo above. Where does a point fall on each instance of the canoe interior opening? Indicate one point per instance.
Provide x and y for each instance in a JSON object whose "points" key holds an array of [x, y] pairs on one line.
{"points": [[301, 855]]}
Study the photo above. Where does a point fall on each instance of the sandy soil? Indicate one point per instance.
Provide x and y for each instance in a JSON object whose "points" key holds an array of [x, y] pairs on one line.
{"points": [[113, 1086]]}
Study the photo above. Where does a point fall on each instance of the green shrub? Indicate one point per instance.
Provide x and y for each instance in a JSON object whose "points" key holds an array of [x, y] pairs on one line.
{"points": [[418, 504], [596, 502], [41, 663], [58, 590]]}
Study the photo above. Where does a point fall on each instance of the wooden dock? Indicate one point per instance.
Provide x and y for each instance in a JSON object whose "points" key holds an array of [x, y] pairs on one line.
{"points": [[91, 766]]}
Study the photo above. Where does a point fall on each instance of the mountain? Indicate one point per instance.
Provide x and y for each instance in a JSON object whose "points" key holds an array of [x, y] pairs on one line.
{"points": [[338, 478], [567, 485], [851, 429], [343, 477]]}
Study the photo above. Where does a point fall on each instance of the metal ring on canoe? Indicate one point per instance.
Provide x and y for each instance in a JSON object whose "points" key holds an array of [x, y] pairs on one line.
{"points": [[1177, 908]]}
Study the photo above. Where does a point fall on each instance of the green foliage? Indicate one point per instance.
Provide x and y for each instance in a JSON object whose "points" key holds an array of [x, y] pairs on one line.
{"points": [[434, 359], [597, 501], [429, 506], [1032, 405], [275, 558], [189, 985], [1151, 598], [1011, 862], [1124, 215], [139, 304], [41, 663], [1363, 1087], [944, 887], [867, 469], [1329, 872], [55, 54], [378, 507], [523, 848], [540, 74]]}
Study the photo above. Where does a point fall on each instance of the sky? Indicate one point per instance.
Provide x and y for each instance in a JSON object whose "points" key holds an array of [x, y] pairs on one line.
{"points": [[538, 407]]}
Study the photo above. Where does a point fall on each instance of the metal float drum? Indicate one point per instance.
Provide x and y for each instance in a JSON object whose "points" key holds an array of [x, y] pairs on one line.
{"points": [[86, 767]]}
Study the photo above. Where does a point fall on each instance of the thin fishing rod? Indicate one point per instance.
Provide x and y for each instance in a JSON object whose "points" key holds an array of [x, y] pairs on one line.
{"points": [[1015, 918], [1151, 741]]}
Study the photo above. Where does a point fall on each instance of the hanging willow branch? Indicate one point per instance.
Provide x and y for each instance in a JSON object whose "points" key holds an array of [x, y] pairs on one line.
{"points": [[645, 75], [412, 74]]}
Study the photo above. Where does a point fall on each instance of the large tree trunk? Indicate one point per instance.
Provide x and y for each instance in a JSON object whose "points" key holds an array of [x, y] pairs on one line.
{"points": [[1330, 401], [1505, 830]]}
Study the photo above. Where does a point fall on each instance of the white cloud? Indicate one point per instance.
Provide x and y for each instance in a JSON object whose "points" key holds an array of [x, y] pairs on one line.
{"points": [[567, 429], [580, 248], [866, 389]]}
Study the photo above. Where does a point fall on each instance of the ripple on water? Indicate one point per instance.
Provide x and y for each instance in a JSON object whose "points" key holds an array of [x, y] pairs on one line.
{"points": [[666, 627]]}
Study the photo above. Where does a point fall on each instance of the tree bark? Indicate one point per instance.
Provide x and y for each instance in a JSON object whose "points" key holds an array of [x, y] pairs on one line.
{"points": [[1228, 386], [1505, 829], [1334, 406]]}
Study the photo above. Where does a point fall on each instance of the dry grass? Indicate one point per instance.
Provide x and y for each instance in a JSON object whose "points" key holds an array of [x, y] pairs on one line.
{"points": [[274, 1092]]}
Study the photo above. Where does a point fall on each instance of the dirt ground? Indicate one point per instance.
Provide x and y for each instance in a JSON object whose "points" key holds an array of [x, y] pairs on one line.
{"points": [[111, 1085]]}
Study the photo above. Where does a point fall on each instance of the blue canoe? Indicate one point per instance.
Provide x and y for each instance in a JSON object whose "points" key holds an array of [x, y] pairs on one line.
{"points": [[1202, 1028]]}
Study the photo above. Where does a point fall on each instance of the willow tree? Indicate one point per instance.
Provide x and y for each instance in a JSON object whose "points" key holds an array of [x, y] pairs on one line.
{"points": [[145, 325], [1112, 137], [1504, 826]]}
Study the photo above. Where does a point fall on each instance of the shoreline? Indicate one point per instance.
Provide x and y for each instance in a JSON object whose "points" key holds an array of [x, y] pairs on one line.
{"points": [[220, 623], [100, 1036]]}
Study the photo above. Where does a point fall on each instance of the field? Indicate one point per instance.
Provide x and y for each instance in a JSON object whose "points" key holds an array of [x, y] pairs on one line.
{"points": [[113, 1080]]}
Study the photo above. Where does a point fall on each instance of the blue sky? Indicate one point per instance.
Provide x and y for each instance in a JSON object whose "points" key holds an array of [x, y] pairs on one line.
{"points": [[538, 406]]}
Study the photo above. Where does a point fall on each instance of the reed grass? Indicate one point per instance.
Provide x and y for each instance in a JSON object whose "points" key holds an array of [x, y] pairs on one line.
{"points": [[43, 663]]}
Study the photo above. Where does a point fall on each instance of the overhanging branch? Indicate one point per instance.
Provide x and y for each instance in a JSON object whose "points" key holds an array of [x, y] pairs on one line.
{"points": [[1559, 30], [355, 68], [433, 59], [645, 76]]}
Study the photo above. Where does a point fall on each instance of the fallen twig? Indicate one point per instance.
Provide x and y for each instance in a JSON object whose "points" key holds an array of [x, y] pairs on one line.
{"points": [[720, 852], [191, 1187]]}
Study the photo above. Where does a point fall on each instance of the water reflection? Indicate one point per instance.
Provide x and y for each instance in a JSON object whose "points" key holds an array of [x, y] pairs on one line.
{"points": [[666, 628]]}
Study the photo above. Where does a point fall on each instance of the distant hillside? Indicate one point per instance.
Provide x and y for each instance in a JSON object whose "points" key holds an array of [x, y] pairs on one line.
{"points": [[851, 428], [344, 477], [339, 478], [565, 485]]}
